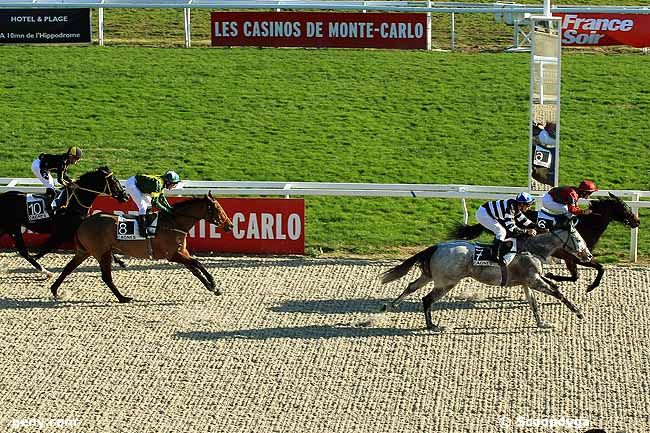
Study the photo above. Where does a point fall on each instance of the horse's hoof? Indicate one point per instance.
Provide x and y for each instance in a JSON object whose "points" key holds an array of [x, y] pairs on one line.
{"points": [[436, 328], [48, 274], [217, 292], [590, 288], [580, 315], [124, 300]]}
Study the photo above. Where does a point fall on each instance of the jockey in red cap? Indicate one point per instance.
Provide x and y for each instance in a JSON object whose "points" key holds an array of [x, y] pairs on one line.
{"points": [[564, 200]]}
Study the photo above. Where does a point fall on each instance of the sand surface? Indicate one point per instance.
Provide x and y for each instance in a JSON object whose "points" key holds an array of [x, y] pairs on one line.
{"points": [[297, 345]]}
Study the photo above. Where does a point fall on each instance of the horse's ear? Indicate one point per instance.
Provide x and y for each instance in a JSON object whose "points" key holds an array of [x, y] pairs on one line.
{"points": [[210, 195], [613, 196]]}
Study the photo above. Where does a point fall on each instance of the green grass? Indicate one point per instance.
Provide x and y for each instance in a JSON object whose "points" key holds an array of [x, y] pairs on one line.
{"points": [[328, 116]]}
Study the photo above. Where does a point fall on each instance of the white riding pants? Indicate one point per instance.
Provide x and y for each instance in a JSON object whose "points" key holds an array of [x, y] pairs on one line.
{"points": [[491, 224], [36, 169], [554, 208], [141, 200]]}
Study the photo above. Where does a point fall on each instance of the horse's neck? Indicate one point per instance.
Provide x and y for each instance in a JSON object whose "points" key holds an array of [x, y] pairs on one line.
{"points": [[183, 219], [543, 245], [591, 228]]}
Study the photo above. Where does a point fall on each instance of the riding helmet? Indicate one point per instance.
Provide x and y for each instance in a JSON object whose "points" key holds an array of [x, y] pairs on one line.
{"points": [[171, 177], [75, 152], [524, 197], [587, 186]]}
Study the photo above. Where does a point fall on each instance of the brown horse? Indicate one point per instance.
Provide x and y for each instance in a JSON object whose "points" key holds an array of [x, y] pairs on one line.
{"points": [[97, 237]]}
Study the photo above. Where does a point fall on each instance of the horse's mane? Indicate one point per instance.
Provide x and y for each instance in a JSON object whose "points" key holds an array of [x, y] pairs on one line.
{"points": [[186, 203], [598, 205], [103, 169]]}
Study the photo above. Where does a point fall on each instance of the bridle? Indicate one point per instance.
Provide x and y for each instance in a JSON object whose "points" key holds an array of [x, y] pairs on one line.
{"points": [[107, 191], [569, 237]]}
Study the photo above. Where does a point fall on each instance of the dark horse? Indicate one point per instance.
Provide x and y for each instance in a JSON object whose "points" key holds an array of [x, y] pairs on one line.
{"points": [[591, 227], [97, 237], [78, 198]]}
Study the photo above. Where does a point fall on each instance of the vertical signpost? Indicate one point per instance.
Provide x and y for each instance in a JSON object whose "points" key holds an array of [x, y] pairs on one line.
{"points": [[544, 128]]}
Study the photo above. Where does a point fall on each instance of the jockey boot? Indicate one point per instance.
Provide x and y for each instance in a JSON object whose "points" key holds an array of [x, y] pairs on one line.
{"points": [[498, 246], [142, 225]]}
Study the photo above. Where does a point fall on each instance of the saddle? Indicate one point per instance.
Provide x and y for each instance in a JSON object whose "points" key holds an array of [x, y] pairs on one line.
{"points": [[128, 226]]}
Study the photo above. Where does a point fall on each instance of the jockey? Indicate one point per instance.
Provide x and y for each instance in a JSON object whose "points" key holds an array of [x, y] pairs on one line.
{"points": [[505, 218], [46, 163], [564, 200], [147, 190]]}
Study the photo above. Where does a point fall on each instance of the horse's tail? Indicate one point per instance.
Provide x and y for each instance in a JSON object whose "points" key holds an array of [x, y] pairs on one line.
{"points": [[423, 258], [464, 231]]}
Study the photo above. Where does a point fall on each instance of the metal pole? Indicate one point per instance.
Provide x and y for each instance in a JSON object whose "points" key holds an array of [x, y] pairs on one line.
{"points": [[100, 26], [547, 8], [634, 233], [453, 31], [188, 27], [428, 27]]}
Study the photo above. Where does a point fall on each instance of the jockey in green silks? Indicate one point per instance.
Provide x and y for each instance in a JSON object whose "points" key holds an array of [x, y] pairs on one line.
{"points": [[147, 191]]}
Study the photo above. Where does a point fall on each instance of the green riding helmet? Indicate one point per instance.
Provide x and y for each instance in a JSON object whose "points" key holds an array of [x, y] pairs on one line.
{"points": [[75, 152], [171, 177]]}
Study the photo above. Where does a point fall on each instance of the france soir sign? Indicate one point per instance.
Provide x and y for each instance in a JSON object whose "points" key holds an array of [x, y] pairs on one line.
{"points": [[319, 29], [587, 29], [261, 226]]}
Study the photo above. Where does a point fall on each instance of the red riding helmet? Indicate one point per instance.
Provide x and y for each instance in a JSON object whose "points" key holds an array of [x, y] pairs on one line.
{"points": [[587, 186]]}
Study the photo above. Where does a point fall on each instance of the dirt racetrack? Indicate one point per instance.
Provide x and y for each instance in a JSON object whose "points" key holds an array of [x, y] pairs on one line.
{"points": [[296, 345]]}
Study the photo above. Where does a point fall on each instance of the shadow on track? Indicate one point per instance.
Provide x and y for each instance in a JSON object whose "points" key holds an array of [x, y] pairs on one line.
{"points": [[315, 332], [364, 305]]}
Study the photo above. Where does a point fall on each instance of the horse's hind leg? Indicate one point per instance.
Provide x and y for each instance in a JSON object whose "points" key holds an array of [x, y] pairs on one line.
{"points": [[411, 288], [79, 257], [105, 265], [22, 250], [432, 297]]}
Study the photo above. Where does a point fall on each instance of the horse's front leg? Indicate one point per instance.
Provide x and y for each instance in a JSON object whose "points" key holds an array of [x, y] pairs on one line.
{"points": [[532, 301], [50, 244], [548, 287], [599, 276], [570, 263], [183, 257]]}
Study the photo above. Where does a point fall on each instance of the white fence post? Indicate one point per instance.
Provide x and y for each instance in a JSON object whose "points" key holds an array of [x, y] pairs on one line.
{"points": [[100, 26], [634, 233]]}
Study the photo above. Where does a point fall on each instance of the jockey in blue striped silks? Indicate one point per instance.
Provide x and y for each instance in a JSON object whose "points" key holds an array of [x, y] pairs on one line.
{"points": [[506, 219]]}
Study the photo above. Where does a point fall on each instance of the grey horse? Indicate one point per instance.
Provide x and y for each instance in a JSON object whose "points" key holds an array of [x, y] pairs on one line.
{"points": [[449, 262]]}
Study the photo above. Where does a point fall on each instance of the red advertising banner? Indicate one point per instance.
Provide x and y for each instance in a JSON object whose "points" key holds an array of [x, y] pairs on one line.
{"points": [[587, 29], [261, 226], [320, 29]]}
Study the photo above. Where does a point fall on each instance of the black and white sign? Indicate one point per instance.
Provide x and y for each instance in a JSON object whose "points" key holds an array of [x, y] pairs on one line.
{"points": [[45, 26], [542, 157]]}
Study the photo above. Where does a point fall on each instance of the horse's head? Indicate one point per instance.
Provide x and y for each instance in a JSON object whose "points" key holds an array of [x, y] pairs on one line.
{"points": [[572, 242], [113, 185], [216, 214], [615, 209], [103, 181]]}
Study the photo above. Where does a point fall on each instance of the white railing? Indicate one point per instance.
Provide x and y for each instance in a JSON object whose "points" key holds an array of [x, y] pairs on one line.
{"points": [[636, 199]]}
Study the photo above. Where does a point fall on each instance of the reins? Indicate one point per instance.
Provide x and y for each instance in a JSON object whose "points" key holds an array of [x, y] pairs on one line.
{"points": [[73, 193]]}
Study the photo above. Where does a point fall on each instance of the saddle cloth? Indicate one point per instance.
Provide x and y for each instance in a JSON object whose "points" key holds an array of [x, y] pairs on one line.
{"points": [[485, 254], [36, 208], [128, 227]]}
